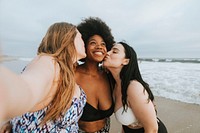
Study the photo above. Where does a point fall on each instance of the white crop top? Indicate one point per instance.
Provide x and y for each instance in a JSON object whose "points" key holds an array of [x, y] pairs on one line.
{"points": [[127, 117]]}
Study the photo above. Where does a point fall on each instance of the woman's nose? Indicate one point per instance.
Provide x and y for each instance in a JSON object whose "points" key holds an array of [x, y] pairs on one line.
{"points": [[98, 46], [108, 53]]}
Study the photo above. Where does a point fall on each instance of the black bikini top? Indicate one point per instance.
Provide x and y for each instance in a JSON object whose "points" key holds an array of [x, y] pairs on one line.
{"points": [[92, 114]]}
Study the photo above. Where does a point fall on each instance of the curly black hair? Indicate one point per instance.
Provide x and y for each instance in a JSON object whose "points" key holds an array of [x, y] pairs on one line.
{"points": [[95, 26]]}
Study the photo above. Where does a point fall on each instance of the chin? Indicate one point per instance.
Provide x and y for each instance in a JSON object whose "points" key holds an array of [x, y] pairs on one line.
{"points": [[83, 56], [104, 64], [99, 61]]}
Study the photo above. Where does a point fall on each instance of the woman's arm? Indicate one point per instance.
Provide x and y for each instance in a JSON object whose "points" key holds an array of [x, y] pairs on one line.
{"points": [[143, 109], [15, 94], [20, 93]]}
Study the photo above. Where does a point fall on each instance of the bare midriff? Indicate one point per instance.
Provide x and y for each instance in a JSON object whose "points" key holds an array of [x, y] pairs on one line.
{"points": [[92, 126]]}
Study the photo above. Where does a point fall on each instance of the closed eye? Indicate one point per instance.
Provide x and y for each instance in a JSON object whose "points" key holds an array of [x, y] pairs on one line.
{"points": [[115, 52]]}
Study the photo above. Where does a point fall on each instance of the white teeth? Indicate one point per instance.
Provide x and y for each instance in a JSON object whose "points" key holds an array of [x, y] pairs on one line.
{"points": [[98, 53]]}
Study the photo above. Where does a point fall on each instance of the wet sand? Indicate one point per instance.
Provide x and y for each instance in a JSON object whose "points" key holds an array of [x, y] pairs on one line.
{"points": [[177, 116]]}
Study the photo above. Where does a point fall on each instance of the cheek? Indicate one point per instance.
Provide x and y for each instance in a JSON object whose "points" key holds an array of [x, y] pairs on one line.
{"points": [[80, 45], [114, 61], [105, 49]]}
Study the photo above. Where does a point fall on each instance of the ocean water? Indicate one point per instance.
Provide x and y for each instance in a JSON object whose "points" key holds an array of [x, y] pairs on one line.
{"points": [[177, 79]]}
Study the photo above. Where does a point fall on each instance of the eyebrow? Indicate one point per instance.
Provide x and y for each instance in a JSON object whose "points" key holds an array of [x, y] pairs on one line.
{"points": [[115, 49]]}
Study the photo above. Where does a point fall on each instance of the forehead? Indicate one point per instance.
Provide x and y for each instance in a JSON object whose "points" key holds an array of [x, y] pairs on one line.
{"points": [[95, 37], [118, 47]]}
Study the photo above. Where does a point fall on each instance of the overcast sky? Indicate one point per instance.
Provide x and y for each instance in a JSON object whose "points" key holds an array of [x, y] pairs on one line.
{"points": [[155, 28]]}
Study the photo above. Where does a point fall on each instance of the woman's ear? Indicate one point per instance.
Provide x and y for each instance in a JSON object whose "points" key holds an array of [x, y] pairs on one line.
{"points": [[125, 62]]}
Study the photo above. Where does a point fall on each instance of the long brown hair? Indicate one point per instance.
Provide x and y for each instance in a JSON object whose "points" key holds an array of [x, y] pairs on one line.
{"points": [[59, 43]]}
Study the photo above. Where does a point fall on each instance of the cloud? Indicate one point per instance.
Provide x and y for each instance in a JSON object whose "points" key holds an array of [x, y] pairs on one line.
{"points": [[152, 27]]}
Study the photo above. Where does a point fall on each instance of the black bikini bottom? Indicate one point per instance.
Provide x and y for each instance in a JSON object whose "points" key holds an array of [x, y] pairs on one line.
{"points": [[161, 128]]}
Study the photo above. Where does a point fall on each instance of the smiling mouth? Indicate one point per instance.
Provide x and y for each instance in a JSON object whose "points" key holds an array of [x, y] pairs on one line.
{"points": [[99, 53]]}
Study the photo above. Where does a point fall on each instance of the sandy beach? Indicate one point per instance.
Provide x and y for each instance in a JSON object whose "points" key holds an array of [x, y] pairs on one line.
{"points": [[177, 116]]}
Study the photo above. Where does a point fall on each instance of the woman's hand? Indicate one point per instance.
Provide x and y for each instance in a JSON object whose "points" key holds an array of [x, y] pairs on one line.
{"points": [[6, 128]]}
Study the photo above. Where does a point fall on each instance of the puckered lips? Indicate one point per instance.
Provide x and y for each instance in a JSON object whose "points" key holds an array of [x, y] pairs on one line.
{"points": [[106, 57]]}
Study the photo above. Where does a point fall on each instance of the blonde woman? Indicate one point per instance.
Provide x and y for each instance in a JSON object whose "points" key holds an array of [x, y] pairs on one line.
{"points": [[45, 97]]}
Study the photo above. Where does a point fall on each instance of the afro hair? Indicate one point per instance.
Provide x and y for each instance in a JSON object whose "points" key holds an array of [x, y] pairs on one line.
{"points": [[95, 26]]}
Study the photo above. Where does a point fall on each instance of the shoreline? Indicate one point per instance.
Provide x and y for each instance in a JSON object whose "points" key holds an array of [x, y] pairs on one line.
{"points": [[6, 58], [178, 117]]}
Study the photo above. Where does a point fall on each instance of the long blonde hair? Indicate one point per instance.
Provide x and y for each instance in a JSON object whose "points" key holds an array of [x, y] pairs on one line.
{"points": [[59, 43]]}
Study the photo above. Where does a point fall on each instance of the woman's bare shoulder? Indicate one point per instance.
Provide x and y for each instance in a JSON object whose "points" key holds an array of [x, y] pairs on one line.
{"points": [[135, 87], [44, 62], [135, 84]]}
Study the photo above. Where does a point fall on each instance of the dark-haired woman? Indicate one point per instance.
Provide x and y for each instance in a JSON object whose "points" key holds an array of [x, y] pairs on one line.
{"points": [[94, 81], [134, 107]]}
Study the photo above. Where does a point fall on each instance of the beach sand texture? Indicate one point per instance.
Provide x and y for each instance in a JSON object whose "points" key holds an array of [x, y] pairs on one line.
{"points": [[177, 116]]}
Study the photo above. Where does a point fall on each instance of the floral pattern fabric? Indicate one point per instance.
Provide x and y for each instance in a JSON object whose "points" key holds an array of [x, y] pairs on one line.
{"points": [[67, 123]]}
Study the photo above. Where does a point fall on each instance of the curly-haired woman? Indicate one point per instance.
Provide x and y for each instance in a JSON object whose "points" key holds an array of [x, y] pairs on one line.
{"points": [[94, 81]]}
